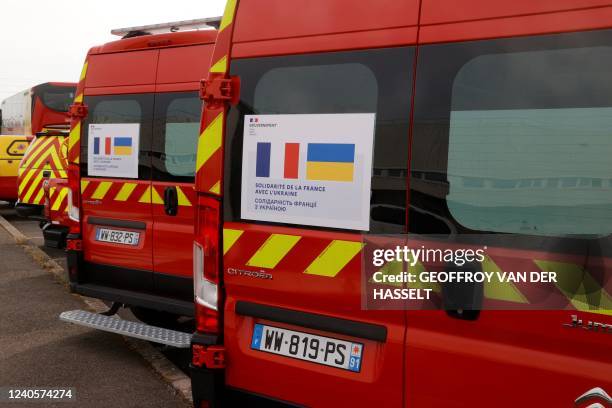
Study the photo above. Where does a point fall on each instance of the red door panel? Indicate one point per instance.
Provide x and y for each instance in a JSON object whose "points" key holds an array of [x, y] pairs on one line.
{"points": [[294, 282], [173, 235], [108, 200]]}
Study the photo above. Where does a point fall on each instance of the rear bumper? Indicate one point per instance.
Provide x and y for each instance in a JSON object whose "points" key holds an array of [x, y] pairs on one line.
{"points": [[55, 235], [208, 385], [130, 287], [29, 210], [131, 298]]}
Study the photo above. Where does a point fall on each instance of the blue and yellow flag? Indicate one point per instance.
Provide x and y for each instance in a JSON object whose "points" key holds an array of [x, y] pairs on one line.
{"points": [[330, 161]]}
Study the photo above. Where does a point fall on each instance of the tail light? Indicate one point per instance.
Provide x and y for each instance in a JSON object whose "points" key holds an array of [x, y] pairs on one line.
{"points": [[206, 266], [73, 197], [47, 208], [73, 211]]}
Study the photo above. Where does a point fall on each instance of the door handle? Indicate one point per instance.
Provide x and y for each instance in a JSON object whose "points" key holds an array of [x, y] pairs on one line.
{"points": [[463, 300], [46, 173], [171, 201]]}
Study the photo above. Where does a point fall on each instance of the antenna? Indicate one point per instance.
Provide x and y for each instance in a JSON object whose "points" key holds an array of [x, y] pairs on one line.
{"points": [[210, 22]]}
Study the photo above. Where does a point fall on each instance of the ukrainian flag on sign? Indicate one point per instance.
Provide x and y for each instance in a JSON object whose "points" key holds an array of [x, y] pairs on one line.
{"points": [[123, 146], [330, 161]]}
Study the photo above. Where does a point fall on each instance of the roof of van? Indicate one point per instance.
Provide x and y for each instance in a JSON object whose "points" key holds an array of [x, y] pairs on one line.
{"points": [[67, 84], [153, 41]]}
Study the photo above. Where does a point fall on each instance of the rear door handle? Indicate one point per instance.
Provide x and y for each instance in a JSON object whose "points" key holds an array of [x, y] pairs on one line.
{"points": [[171, 201], [46, 173]]}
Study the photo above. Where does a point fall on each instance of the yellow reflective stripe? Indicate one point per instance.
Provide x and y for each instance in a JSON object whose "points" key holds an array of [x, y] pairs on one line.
{"points": [[33, 186], [220, 66], [151, 196], [394, 268], [79, 98], [210, 140], [182, 198], [84, 184], [273, 250], [146, 196], [39, 196], [500, 290], [155, 197], [52, 191], [74, 136], [216, 188], [35, 149], [589, 296], [43, 156], [59, 199], [230, 236], [83, 71], [228, 15], [334, 258], [125, 191], [101, 191], [56, 160], [27, 178]]}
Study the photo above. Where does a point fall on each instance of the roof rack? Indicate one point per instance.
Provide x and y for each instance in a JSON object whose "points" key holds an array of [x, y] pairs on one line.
{"points": [[210, 22]]}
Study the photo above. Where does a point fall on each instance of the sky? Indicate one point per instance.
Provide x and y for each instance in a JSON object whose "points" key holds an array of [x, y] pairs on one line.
{"points": [[47, 40]]}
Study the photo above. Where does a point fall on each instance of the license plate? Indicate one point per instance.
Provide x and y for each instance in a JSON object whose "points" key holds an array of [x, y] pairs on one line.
{"points": [[309, 347], [117, 236]]}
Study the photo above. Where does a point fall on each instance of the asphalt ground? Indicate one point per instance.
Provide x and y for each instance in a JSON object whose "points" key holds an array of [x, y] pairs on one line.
{"points": [[38, 350]]}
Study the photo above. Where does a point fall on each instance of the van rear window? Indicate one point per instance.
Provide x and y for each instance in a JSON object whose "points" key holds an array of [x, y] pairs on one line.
{"points": [[371, 81], [118, 109]]}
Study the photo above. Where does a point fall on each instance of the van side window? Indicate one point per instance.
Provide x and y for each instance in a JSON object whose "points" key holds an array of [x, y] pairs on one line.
{"points": [[520, 131], [176, 131], [368, 81], [121, 109]]}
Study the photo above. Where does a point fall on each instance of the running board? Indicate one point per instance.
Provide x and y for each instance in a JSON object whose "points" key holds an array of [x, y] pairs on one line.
{"points": [[128, 328]]}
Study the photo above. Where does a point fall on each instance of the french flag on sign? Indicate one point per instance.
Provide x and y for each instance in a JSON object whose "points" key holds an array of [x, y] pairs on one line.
{"points": [[282, 161], [104, 150]]}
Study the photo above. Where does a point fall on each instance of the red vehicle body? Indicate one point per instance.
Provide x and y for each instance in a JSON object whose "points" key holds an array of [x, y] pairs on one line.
{"points": [[33, 110], [151, 81], [42, 108], [271, 58]]}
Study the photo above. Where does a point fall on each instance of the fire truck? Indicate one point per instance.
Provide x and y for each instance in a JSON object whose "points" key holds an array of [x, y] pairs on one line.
{"points": [[336, 122], [131, 155], [48, 123], [41, 108]]}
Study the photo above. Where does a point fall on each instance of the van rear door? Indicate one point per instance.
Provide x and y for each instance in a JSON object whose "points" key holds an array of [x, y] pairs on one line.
{"points": [[117, 220], [42, 160], [116, 204], [292, 316], [176, 131]]}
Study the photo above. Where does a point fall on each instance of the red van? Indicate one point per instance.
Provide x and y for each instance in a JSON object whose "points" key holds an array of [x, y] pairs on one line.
{"points": [[478, 117], [131, 157]]}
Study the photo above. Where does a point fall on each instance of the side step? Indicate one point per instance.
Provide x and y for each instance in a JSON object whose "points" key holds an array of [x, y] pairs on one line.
{"points": [[128, 328]]}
